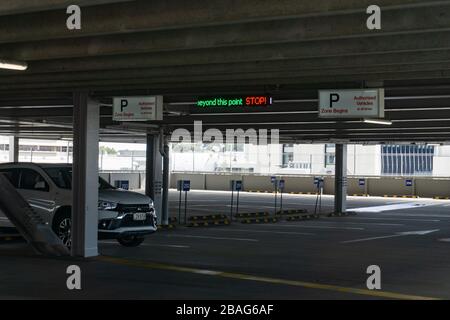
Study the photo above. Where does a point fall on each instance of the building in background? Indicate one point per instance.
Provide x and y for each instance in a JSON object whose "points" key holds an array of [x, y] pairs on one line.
{"points": [[305, 159]]}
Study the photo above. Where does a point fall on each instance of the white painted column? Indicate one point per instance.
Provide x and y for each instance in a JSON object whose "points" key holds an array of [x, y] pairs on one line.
{"points": [[153, 174], [86, 116], [13, 149]]}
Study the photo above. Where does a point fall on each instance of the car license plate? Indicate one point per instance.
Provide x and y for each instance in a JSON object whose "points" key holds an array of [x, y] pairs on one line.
{"points": [[139, 216]]}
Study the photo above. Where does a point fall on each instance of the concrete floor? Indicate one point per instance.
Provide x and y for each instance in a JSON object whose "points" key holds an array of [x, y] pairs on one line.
{"points": [[286, 260]]}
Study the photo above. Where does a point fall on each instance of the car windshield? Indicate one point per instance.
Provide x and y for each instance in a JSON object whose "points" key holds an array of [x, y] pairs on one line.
{"points": [[62, 177]]}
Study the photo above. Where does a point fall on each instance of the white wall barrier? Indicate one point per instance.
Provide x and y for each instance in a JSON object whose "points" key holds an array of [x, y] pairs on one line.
{"points": [[373, 186]]}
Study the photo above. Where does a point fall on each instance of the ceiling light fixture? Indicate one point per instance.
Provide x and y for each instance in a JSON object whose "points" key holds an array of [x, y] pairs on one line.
{"points": [[378, 121], [13, 65]]}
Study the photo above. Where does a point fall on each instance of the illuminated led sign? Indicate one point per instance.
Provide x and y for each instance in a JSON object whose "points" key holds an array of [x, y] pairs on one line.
{"points": [[241, 101]]}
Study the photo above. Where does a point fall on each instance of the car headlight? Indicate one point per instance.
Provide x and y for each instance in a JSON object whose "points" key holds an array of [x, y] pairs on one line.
{"points": [[107, 205]]}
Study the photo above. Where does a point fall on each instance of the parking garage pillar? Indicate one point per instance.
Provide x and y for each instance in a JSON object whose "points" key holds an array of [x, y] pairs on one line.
{"points": [[165, 195], [13, 149], [85, 176], [340, 193], [153, 175]]}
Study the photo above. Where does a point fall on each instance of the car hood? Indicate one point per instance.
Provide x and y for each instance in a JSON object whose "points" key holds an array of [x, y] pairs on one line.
{"points": [[123, 196]]}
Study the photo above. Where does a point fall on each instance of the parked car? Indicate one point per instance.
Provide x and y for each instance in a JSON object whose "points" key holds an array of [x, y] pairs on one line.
{"points": [[122, 215]]}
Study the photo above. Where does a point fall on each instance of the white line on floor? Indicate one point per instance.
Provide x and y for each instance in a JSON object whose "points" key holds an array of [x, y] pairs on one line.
{"points": [[213, 238], [416, 215], [264, 231], [372, 238], [367, 223], [391, 207], [394, 219], [304, 226], [398, 234], [151, 245]]}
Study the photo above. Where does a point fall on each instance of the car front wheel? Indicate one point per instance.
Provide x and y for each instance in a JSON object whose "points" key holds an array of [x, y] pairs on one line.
{"points": [[62, 227], [130, 241]]}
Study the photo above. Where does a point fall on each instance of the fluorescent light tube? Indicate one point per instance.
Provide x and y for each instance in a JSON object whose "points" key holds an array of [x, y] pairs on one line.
{"points": [[378, 121], [13, 65]]}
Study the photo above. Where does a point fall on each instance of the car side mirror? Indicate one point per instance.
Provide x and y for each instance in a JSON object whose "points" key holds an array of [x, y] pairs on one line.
{"points": [[40, 185]]}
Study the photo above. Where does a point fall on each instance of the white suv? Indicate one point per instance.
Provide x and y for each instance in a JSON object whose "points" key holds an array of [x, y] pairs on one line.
{"points": [[122, 215]]}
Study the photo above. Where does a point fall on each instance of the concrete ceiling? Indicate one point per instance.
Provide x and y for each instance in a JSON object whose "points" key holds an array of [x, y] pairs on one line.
{"points": [[184, 49]]}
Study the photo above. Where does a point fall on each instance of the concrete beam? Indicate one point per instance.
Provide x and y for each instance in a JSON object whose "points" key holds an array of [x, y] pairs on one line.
{"points": [[337, 27], [287, 118], [9, 7], [417, 45], [283, 76], [141, 16], [369, 63], [46, 112]]}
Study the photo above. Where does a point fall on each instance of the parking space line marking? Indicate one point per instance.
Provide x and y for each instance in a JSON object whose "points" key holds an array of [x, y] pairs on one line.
{"points": [[213, 238], [313, 227], [264, 231], [231, 275], [398, 234], [151, 245], [391, 207], [364, 223], [394, 219], [416, 215]]}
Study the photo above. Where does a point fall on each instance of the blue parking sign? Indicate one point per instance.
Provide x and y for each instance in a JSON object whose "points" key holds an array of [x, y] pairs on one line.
{"points": [[408, 182], [238, 185], [281, 184], [186, 185], [362, 182], [273, 179]]}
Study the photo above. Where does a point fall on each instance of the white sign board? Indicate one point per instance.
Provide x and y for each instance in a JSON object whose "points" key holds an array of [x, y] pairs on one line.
{"points": [[137, 108], [368, 103]]}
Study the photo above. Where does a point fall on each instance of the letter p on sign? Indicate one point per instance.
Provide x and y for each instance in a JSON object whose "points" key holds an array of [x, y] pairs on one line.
{"points": [[123, 104], [334, 97]]}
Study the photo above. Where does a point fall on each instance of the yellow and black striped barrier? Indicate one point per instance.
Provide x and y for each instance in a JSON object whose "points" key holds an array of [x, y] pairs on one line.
{"points": [[291, 212], [441, 198], [251, 214], [208, 217], [166, 226], [360, 195], [302, 217], [259, 220], [400, 196], [341, 214], [306, 193], [208, 223]]}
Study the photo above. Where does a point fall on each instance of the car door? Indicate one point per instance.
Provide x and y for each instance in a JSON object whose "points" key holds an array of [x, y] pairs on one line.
{"points": [[13, 176], [36, 191]]}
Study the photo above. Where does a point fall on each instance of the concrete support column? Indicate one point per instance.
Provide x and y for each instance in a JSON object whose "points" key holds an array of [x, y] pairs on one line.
{"points": [[340, 196], [13, 149], [153, 173], [86, 116], [165, 195]]}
